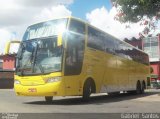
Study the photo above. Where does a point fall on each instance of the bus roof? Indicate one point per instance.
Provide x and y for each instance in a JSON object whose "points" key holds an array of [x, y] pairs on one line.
{"points": [[85, 22]]}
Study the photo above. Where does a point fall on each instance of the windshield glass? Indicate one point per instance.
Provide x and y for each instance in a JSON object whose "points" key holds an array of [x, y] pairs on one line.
{"points": [[45, 29], [39, 56]]}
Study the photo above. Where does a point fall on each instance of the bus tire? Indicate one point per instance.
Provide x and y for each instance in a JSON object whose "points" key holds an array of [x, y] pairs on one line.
{"points": [[49, 99], [87, 90], [143, 87], [138, 88]]}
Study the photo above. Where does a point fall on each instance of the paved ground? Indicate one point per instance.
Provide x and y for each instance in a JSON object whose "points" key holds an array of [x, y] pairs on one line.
{"points": [[123, 103]]}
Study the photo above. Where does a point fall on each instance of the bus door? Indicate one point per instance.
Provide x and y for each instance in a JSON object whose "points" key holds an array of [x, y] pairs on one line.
{"points": [[73, 63]]}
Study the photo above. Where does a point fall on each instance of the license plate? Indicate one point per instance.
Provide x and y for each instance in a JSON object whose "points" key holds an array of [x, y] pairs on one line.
{"points": [[32, 90]]}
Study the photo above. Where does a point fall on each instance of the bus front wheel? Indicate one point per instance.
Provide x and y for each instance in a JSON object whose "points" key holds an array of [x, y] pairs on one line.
{"points": [[87, 90], [49, 99]]}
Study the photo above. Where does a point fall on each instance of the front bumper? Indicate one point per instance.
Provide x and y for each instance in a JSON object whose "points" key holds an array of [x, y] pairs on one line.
{"points": [[48, 89]]}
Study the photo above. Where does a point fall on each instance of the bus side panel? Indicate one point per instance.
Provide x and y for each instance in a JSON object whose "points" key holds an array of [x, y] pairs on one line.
{"points": [[143, 72], [137, 72], [122, 74], [132, 75], [71, 85], [95, 68], [110, 82]]}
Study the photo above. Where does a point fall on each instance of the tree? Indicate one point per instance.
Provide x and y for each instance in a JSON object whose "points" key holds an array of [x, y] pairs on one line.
{"points": [[135, 10]]}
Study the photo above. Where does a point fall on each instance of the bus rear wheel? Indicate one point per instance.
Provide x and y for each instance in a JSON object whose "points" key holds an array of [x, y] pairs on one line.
{"points": [[49, 99], [87, 90], [143, 87], [138, 88]]}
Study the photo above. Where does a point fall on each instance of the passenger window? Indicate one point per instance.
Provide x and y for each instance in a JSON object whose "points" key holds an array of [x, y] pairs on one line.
{"points": [[77, 27], [109, 45], [95, 39]]}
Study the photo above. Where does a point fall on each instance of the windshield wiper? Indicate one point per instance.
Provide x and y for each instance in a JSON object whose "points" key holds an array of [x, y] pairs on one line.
{"points": [[34, 57]]}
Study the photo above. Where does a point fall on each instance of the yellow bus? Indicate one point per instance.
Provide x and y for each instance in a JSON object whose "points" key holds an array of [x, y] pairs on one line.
{"points": [[69, 57]]}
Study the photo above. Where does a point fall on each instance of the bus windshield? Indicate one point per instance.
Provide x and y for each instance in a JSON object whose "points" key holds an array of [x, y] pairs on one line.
{"points": [[39, 56], [45, 29]]}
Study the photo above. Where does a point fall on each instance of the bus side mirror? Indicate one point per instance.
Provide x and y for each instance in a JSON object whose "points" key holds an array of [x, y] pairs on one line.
{"points": [[8, 45]]}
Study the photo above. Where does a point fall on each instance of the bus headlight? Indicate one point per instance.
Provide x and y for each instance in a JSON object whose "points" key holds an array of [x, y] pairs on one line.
{"points": [[16, 82], [53, 79]]}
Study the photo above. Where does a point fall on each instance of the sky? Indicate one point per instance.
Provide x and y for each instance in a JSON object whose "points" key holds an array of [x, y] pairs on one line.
{"points": [[17, 15], [80, 7]]}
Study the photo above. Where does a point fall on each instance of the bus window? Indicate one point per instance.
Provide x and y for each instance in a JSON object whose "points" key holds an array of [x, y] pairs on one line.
{"points": [[77, 27], [95, 39], [109, 44]]}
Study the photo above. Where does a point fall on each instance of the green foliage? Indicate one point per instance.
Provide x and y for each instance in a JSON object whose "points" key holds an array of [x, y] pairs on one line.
{"points": [[134, 10]]}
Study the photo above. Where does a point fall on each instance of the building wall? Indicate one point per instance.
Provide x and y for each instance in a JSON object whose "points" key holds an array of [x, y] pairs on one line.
{"points": [[155, 67], [1, 64], [6, 79], [8, 62], [7, 71], [136, 43]]}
